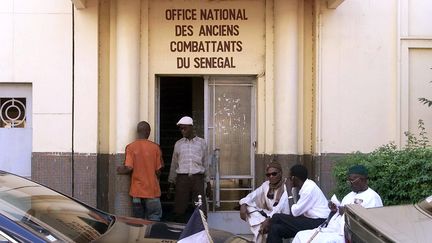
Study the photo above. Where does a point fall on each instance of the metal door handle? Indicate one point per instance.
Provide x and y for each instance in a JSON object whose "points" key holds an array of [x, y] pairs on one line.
{"points": [[216, 164]]}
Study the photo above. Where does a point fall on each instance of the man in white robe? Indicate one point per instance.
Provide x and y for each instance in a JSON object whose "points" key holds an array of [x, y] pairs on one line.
{"points": [[361, 194], [265, 201]]}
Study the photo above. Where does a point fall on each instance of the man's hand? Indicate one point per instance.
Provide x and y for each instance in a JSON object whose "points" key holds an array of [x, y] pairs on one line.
{"points": [[265, 226], [209, 192], [289, 185], [332, 206], [170, 191], [123, 170], [243, 212], [341, 210]]}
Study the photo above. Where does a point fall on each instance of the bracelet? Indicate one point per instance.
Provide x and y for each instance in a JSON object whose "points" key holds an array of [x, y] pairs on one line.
{"points": [[290, 197]]}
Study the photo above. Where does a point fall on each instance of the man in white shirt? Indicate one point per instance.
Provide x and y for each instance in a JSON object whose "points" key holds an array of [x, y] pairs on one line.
{"points": [[189, 170], [264, 201], [310, 211], [361, 194]]}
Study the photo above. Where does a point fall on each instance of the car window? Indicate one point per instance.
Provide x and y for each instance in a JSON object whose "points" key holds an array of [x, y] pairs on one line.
{"points": [[426, 205], [49, 213]]}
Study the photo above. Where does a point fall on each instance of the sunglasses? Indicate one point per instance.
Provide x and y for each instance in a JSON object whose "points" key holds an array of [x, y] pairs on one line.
{"points": [[272, 174]]}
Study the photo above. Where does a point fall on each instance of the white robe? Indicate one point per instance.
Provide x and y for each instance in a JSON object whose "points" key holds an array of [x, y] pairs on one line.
{"points": [[255, 219], [334, 232]]}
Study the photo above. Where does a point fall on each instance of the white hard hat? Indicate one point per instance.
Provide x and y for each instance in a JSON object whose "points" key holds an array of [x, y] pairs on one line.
{"points": [[186, 120]]}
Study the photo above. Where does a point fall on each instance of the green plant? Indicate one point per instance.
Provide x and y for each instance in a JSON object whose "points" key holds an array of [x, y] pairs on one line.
{"points": [[426, 101], [399, 175], [421, 141]]}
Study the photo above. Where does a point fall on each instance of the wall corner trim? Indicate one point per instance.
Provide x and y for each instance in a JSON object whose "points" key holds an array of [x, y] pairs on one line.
{"points": [[333, 4], [79, 4]]}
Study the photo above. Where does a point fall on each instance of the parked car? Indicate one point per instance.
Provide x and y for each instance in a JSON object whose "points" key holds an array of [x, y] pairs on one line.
{"points": [[403, 223], [31, 212]]}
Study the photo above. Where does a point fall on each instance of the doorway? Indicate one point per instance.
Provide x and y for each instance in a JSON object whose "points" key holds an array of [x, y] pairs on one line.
{"points": [[178, 97], [16, 128], [223, 109]]}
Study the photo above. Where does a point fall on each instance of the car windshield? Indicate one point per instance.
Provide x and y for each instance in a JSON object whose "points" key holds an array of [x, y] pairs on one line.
{"points": [[48, 213], [426, 205]]}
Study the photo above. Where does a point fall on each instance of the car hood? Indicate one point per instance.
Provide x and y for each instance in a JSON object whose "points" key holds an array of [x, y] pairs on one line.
{"points": [[403, 223], [127, 229]]}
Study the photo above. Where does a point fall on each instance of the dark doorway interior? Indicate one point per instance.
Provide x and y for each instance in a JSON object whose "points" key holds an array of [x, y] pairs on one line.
{"points": [[179, 96]]}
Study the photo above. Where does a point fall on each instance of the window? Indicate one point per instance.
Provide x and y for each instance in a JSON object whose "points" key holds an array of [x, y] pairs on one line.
{"points": [[12, 112]]}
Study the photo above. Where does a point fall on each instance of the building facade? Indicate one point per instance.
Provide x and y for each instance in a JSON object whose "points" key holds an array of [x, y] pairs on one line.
{"points": [[297, 81]]}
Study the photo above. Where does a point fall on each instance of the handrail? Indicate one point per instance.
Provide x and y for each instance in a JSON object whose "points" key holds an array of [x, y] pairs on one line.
{"points": [[216, 167], [217, 186]]}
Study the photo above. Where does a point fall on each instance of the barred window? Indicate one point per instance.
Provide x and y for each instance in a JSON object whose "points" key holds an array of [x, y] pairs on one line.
{"points": [[12, 112]]}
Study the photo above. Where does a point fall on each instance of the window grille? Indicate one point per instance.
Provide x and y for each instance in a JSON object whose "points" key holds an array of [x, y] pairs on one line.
{"points": [[12, 112]]}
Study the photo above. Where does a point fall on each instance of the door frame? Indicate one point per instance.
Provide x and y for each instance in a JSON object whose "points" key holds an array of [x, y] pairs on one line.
{"points": [[22, 90], [251, 81]]}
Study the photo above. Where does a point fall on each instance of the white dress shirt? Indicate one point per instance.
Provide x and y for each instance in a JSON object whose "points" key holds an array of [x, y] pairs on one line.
{"points": [[189, 157], [312, 202]]}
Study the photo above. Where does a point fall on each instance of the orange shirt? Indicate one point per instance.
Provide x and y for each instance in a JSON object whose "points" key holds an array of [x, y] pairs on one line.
{"points": [[145, 158]]}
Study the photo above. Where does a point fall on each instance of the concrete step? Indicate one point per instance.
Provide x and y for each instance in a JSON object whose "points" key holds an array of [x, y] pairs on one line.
{"points": [[229, 221]]}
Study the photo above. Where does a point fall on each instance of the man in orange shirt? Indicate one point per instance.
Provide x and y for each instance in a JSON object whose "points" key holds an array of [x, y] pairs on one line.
{"points": [[144, 160]]}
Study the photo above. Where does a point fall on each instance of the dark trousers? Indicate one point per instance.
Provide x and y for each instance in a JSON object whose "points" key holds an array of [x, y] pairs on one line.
{"points": [[286, 226], [187, 190]]}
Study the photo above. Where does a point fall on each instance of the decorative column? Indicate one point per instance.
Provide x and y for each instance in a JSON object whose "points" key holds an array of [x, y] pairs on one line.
{"points": [[127, 38], [286, 76]]}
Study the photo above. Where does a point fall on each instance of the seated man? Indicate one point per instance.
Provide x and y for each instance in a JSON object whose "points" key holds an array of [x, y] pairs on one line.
{"points": [[361, 194], [264, 201], [308, 212]]}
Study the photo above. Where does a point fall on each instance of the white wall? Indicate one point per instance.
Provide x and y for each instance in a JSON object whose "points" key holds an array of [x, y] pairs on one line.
{"points": [[420, 77], [415, 67], [36, 48], [128, 72], [365, 97], [86, 78], [375, 62], [286, 75], [358, 76]]}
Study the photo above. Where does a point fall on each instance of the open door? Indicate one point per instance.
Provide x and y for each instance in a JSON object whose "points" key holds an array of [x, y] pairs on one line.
{"points": [[178, 96]]}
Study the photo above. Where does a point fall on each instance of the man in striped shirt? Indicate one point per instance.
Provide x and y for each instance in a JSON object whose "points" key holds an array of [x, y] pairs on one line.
{"points": [[189, 170]]}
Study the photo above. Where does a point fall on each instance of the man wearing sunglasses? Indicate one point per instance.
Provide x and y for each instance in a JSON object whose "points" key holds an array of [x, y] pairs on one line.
{"points": [[264, 201], [308, 212], [189, 170], [360, 194]]}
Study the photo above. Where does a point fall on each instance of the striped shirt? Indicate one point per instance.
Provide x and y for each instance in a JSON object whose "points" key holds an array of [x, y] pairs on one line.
{"points": [[189, 157]]}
